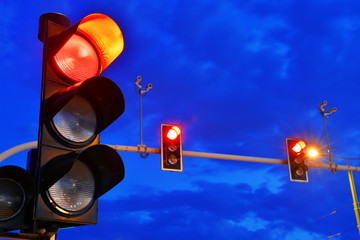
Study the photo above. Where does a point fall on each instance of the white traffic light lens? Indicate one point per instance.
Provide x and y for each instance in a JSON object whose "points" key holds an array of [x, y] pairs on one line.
{"points": [[173, 147], [77, 59], [76, 121], [75, 191], [173, 159], [12, 198], [300, 172]]}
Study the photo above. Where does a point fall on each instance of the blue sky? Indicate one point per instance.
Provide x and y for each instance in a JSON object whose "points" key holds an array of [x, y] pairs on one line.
{"points": [[240, 77]]}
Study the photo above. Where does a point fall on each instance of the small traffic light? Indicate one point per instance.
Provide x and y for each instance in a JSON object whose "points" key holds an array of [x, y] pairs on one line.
{"points": [[16, 197], [72, 169], [171, 148], [297, 159]]}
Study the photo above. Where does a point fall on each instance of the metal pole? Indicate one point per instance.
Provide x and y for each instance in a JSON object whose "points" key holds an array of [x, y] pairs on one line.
{"points": [[355, 201], [141, 140], [142, 93], [327, 140], [333, 170], [323, 114]]}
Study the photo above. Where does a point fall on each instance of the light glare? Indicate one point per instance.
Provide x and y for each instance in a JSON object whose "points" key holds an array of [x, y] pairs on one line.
{"points": [[313, 153]]}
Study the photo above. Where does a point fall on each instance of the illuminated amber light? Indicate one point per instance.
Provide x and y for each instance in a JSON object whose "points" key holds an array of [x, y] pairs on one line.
{"points": [[312, 152], [105, 35], [299, 146], [173, 133]]}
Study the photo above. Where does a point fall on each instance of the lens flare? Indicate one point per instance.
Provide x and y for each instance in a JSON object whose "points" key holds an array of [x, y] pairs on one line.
{"points": [[312, 152]]}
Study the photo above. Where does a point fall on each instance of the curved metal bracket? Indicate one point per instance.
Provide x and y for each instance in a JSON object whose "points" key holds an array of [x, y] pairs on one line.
{"points": [[333, 167], [142, 150]]}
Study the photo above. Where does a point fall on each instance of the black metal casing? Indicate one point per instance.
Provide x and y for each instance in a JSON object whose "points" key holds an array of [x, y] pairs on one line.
{"points": [[296, 161], [166, 144], [56, 155]]}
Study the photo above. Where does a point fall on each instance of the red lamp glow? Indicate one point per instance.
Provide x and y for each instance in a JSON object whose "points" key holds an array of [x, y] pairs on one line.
{"points": [[173, 133], [87, 48], [77, 59], [299, 146]]}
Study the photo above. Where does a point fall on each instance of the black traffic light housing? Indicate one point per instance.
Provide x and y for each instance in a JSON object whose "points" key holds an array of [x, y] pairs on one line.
{"points": [[298, 170], [16, 198], [72, 169], [171, 147], [69, 170]]}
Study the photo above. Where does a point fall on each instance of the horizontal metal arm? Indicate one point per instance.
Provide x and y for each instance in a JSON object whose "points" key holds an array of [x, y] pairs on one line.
{"points": [[236, 158], [33, 144]]}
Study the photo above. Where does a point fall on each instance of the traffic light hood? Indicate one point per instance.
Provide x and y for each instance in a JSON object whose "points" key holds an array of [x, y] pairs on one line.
{"points": [[99, 30]]}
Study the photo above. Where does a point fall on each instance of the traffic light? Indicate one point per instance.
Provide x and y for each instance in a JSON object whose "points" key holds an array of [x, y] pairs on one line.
{"points": [[171, 148], [16, 198], [72, 169], [297, 159]]}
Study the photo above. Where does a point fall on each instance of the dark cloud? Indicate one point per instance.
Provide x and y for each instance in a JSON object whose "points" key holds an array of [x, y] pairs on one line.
{"points": [[216, 211]]}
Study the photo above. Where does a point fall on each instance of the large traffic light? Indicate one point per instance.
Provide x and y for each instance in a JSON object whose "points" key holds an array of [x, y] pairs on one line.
{"points": [[72, 169], [297, 159], [171, 147]]}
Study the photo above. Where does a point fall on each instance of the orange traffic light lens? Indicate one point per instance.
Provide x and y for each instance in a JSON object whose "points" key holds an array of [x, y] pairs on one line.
{"points": [[78, 59], [173, 133], [299, 146]]}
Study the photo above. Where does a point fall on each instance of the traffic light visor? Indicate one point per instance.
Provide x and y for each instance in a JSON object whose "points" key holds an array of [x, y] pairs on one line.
{"points": [[105, 35], [87, 47], [73, 181], [77, 114]]}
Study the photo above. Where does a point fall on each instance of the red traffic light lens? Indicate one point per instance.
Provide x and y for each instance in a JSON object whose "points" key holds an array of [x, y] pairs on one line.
{"points": [[299, 146], [78, 59], [173, 133]]}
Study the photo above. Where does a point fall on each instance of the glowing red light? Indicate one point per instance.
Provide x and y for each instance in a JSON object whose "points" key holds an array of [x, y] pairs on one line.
{"points": [[299, 146], [173, 133], [77, 59]]}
